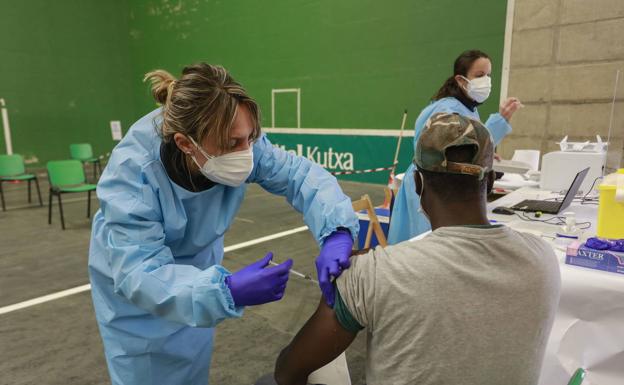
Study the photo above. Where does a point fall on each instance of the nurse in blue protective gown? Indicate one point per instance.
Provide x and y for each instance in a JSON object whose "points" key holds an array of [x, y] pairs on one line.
{"points": [[169, 193], [469, 86]]}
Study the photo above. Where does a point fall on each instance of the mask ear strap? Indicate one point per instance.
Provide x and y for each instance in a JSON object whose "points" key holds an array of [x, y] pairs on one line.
{"points": [[422, 183], [194, 142], [200, 149], [465, 86], [422, 190]]}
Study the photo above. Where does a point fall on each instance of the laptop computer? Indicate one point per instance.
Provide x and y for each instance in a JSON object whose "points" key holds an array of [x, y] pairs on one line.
{"points": [[553, 207]]}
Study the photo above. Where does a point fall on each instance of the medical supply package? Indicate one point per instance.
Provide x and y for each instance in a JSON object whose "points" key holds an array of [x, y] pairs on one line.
{"points": [[580, 255]]}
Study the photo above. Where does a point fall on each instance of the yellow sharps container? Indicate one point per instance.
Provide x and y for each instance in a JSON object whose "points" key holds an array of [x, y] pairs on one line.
{"points": [[611, 206]]}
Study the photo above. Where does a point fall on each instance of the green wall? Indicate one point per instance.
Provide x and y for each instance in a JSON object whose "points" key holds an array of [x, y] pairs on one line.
{"points": [[70, 66], [64, 73], [359, 63]]}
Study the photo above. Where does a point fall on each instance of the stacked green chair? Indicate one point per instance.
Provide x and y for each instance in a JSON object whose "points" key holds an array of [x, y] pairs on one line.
{"points": [[12, 169], [66, 177], [84, 153]]}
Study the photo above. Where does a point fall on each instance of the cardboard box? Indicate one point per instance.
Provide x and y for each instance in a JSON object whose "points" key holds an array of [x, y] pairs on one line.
{"points": [[606, 260]]}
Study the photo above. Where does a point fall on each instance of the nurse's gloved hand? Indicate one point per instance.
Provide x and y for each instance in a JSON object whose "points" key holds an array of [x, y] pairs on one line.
{"points": [[334, 258], [257, 284]]}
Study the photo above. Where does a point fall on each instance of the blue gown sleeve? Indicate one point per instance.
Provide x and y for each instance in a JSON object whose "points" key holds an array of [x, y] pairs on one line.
{"points": [[498, 126], [143, 267], [308, 187], [449, 107]]}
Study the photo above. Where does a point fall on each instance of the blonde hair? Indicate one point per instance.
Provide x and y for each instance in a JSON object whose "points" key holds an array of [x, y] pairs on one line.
{"points": [[202, 103]]}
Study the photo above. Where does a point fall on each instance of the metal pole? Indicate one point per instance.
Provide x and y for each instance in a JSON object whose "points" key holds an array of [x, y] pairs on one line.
{"points": [[504, 90], [7, 128], [273, 108], [609, 147], [298, 107], [398, 148]]}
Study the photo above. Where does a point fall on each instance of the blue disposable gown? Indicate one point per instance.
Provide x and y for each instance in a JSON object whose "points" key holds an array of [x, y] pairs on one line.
{"points": [[154, 261], [406, 221]]}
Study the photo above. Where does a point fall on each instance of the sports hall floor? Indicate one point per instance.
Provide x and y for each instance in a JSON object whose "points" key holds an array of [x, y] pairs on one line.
{"points": [[57, 342]]}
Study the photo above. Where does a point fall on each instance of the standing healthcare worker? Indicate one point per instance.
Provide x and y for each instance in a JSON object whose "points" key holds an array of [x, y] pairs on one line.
{"points": [[168, 195], [469, 86]]}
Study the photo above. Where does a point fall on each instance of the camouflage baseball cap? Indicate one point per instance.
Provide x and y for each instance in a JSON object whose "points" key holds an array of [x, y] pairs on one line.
{"points": [[445, 130]]}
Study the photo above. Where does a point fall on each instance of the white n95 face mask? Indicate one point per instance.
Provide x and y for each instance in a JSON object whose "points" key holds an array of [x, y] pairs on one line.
{"points": [[478, 89], [231, 169]]}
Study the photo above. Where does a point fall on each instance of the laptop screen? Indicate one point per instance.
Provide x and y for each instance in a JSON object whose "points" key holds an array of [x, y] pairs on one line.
{"points": [[576, 184]]}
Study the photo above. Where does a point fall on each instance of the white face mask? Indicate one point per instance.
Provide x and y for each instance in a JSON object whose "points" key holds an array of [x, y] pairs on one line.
{"points": [[231, 169], [478, 89]]}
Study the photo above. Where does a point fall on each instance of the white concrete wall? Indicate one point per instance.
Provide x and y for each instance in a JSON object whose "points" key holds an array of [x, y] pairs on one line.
{"points": [[564, 57]]}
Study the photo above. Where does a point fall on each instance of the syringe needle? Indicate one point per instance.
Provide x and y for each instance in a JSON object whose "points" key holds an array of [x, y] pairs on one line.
{"points": [[294, 272]]}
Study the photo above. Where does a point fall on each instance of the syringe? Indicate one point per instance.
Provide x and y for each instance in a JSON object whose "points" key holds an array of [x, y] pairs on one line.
{"points": [[295, 272]]}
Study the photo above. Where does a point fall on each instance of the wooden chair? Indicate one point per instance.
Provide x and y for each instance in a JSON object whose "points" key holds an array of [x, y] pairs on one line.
{"points": [[365, 204]]}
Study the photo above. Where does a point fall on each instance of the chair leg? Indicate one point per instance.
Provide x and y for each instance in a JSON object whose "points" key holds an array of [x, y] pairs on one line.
{"points": [[29, 191], [50, 207], [61, 210], [369, 235], [2, 197], [89, 204], [38, 191]]}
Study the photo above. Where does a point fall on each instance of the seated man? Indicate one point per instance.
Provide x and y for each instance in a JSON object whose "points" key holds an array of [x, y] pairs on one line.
{"points": [[470, 304]]}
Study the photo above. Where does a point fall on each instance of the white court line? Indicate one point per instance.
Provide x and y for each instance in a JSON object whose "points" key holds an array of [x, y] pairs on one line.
{"points": [[93, 196], [35, 205], [264, 239], [87, 287], [45, 298]]}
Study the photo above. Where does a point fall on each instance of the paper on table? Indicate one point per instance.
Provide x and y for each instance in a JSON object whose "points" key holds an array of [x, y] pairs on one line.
{"points": [[514, 182], [530, 157], [420, 236], [588, 329]]}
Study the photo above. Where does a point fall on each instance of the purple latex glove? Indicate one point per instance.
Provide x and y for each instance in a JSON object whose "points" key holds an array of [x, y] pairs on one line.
{"points": [[334, 258], [257, 284], [618, 245]]}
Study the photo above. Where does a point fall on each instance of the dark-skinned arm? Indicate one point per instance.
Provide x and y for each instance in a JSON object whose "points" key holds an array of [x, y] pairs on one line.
{"points": [[318, 343]]}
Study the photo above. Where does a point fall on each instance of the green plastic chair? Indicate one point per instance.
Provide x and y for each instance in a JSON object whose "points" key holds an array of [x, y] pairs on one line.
{"points": [[84, 153], [12, 169], [67, 176], [577, 377]]}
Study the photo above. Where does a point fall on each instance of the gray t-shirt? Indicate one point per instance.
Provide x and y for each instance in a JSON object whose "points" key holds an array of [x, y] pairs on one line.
{"points": [[470, 306]]}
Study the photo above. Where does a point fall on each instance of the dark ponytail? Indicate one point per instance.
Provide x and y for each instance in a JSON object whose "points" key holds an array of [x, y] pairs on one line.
{"points": [[462, 64]]}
